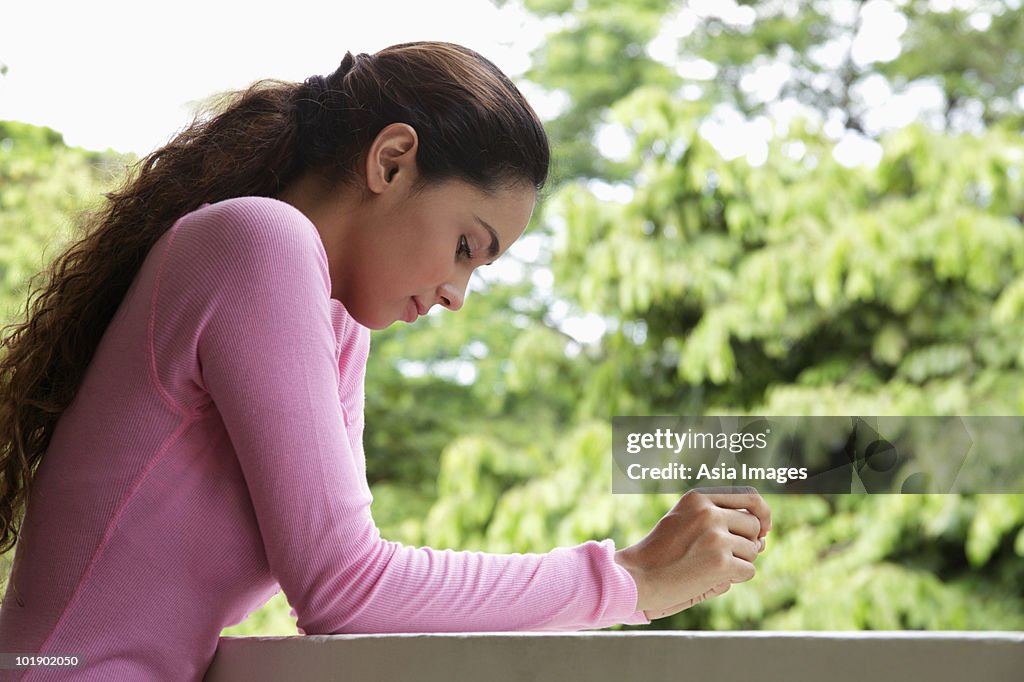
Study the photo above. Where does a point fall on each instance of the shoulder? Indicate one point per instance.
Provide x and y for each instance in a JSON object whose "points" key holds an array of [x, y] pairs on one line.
{"points": [[250, 220], [250, 233]]}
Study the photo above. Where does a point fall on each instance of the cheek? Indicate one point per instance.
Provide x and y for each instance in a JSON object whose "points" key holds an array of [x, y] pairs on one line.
{"points": [[432, 262], [403, 273], [419, 255]]}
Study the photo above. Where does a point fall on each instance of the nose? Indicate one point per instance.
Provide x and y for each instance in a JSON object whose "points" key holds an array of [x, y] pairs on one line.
{"points": [[451, 296]]}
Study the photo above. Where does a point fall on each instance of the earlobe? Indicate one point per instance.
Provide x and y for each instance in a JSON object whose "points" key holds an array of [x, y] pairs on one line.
{"points": [[392, 157]]}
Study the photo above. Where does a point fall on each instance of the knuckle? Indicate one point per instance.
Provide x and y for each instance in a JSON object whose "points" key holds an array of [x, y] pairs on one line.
{"points": [[706, 518], [720, 547], [693, 498], [718, 563], [718, 539], [675, 516]]}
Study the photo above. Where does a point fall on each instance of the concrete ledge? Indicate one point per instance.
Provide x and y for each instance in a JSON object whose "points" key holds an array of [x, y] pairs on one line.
{"points": [[624, 656]]}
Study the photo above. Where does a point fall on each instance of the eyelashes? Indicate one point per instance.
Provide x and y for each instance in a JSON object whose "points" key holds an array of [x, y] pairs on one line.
{"points": [[464, 249]]}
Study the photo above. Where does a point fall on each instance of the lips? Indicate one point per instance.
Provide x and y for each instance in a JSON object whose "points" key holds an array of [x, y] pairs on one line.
{"points": [[411, 311]]}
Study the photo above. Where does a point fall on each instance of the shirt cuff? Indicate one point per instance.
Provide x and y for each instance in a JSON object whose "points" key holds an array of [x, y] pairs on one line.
{"points": [[622, 592]]}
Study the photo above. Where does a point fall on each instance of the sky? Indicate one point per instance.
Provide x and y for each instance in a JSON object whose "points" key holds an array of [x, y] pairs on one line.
{"points": [[126, 75]]}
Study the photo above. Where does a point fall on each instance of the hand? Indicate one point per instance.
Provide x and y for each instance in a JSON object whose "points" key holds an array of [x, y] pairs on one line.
{"points": [[707, 542]]}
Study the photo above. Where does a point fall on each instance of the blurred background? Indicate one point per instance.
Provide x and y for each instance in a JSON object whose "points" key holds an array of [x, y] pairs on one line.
{"points": [[758, 207]]}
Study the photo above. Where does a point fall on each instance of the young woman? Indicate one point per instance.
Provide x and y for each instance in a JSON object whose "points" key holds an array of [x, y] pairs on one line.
{"points": [[185, 396]]}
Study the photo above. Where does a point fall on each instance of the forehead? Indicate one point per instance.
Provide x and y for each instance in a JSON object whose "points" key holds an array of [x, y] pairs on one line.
{"points": [[507, 209]]}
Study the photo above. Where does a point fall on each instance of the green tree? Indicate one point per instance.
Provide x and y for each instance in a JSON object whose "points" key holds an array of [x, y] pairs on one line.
{"points": [[44, 185], [908, 306], [833, 57], [795, 286]]}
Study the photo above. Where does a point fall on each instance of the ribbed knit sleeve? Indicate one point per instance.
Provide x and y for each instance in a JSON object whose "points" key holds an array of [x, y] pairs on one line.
{"points": [[243, 324]]}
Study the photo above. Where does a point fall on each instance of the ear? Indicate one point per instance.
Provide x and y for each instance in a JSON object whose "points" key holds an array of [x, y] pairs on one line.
{"points": [[391, 159]]}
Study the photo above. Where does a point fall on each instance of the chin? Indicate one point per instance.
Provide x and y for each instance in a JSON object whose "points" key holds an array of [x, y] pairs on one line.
{"points": [[374, 323], [371, 320], [377, 322]]}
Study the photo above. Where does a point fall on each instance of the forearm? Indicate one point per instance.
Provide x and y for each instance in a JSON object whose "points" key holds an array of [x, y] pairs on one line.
{"points": [[406, 589]]}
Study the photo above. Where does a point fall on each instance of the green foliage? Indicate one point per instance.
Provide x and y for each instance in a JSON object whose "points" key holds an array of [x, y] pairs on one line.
{"points": [[44, 184], [598, 58], [905, 290], [797, 286], [273, 619], [976, 65]]}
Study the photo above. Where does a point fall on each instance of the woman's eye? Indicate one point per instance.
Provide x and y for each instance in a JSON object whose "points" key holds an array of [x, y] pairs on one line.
{"points": [[464, 249]]}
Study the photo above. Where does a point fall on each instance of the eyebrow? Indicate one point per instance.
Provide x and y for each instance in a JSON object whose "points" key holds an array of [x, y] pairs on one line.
{"points": [[495, 245]]}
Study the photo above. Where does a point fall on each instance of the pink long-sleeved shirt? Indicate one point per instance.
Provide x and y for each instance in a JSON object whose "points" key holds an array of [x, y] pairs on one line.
{"points": [[213, 455]]}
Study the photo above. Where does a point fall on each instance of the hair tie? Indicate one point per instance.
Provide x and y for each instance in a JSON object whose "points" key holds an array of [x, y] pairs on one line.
{"points": [[322, 110], [310, 100]]}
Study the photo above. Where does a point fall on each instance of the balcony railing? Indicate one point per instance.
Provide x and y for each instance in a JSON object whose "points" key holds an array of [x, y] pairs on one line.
{"points": [[627, 656]]}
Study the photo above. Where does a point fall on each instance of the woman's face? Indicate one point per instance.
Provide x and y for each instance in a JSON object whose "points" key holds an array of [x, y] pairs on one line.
{"points": [[405, 251]]}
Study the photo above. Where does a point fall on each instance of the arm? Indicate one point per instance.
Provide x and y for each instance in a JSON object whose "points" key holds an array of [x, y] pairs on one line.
{"points": [[266, 350]]}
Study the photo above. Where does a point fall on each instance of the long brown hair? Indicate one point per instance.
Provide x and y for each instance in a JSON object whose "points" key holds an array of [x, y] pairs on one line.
{"points": [[473, 125]]}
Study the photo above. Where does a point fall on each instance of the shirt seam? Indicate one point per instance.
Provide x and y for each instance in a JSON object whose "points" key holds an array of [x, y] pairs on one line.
{"points": [[178, 432], [154, 375]]}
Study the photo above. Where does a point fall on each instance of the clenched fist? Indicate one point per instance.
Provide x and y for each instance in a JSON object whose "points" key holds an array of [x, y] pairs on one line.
{"points": [[707, 542]]}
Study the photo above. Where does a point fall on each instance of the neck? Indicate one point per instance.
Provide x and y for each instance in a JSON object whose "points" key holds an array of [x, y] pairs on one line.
{"points": [[331, 207]]}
